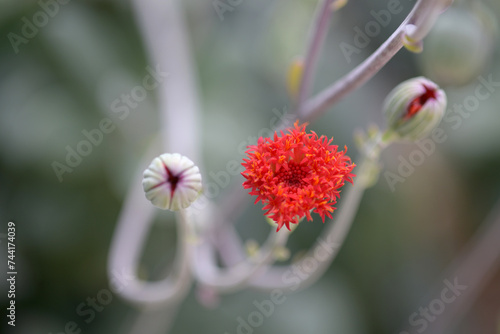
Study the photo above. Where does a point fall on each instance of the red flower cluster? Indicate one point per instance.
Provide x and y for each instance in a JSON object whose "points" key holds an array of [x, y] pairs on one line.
{"points": [[296, 173]]}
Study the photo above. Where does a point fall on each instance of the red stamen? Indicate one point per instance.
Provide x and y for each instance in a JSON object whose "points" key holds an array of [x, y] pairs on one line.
{"points": [[419, 102]]}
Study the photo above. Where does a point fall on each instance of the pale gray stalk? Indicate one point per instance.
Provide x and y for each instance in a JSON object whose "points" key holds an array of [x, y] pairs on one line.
{"points": [[162, 25]]}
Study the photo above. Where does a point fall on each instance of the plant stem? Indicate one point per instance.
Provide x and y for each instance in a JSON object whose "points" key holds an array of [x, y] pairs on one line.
{"points": [[316, 38], [163, 28], [236, 276], [422, 16], [128, 242]]}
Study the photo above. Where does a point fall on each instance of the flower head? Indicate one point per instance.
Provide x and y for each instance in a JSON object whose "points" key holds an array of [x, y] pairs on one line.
{"points": [[172, 182], [414, 108], [295, 174]]}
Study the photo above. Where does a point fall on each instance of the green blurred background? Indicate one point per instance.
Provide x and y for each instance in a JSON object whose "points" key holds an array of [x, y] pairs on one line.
{"points": [[63, 81]]}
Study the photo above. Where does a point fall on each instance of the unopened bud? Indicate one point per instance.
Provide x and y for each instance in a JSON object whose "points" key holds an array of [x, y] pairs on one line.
{"points": [[414, 108], [460, 45], [172, 182]]}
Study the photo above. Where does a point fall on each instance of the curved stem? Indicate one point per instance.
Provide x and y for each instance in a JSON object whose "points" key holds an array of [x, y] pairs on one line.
{"points": [[422, 17], [163, 28], [128, 241], [238, 275]]}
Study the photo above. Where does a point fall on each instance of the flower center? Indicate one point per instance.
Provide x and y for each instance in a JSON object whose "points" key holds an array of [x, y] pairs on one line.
{"points": [[172, 179], [293, 177]]}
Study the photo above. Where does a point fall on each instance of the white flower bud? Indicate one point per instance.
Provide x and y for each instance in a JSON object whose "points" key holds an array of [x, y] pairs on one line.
{"points": [[172, 182], [414, 108]]}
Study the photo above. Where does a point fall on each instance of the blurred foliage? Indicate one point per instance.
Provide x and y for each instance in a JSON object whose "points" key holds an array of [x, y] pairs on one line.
{"points": [[64, 80]]}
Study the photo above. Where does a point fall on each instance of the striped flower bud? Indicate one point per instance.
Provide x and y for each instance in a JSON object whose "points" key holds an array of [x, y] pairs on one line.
{"points": [[414, 108], [172, 182]]}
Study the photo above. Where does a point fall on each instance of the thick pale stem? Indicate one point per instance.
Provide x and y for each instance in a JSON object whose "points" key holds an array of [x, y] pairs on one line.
{"points": [[161, 23], [238, 275], [127, 245]]}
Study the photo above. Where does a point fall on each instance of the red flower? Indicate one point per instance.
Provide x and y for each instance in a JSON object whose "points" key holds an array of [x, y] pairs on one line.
{"points": [[296, 173]]}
